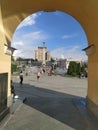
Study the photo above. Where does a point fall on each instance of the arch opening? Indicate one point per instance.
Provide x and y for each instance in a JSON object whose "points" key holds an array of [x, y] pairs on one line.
{"points": [[62, 34]]}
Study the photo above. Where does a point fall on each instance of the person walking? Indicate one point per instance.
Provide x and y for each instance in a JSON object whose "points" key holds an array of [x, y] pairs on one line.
{"points": [[12, 90], [21, 77], [38, 75]]}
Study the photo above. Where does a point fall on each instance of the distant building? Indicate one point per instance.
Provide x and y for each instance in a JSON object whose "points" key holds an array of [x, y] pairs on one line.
{"points": [[48, 56], [42, 54], [71, 59], [62, 63]]}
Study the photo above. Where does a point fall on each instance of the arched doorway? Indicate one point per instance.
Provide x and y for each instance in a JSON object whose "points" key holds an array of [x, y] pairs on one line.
{"points": [[12, 13]]}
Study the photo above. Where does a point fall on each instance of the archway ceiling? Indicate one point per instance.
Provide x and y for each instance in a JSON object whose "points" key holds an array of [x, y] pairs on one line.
{"points": [[14, 11]]}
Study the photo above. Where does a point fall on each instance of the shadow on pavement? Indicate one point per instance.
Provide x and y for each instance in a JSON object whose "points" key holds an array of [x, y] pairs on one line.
{"points": [[57, 105]]}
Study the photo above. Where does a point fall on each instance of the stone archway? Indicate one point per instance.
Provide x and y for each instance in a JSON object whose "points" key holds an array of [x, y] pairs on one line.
{"points": [[13, 12]]}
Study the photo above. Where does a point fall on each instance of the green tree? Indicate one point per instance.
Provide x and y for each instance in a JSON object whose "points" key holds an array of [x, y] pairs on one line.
{"points": [[83, 70], [13, 68], [74, 68], [78, 68]]}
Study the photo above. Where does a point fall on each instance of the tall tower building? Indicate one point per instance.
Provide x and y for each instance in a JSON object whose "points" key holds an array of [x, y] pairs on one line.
{"points": [[42, 54], [48, 57]]}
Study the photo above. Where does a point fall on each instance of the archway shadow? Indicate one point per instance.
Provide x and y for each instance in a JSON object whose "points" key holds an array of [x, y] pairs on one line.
{"points": [[60, 106]]}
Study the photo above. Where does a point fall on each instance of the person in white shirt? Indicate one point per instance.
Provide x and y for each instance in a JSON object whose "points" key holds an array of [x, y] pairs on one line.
{"points": [[21, 77]]}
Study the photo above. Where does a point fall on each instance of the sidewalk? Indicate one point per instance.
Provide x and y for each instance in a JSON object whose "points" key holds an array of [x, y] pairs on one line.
{"points": [[53, 103]]}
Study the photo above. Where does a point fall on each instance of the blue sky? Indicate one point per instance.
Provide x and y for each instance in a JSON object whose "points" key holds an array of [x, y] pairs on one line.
{"points": [[62, 34]]}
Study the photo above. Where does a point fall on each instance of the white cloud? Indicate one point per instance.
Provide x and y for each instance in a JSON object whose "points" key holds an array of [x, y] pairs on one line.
{"points": [[30, 40], [23, 50], [38, 35], [18, 45], [27, 52], [28, 43], [24, 53], [30, 20], [72, 52], [69, 36]]}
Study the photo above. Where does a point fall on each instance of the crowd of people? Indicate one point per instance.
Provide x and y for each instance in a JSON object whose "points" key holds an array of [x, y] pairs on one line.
{"points": [[47, 70]]}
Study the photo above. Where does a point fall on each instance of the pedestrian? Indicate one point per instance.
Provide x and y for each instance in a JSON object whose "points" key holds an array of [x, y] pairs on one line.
{"points": [[38, 75], [43, 70], [12, 90], [21, 77]]}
